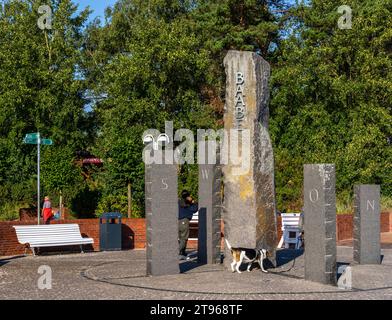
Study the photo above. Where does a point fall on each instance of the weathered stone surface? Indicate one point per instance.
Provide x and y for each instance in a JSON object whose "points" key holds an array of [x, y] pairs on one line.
{"points": [[209, 238], [320, 223], [162, 219], [367, 237], [249, 194]]}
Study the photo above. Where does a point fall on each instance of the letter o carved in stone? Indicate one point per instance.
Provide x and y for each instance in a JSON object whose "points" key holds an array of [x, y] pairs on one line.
{"points": [[314, 195]]}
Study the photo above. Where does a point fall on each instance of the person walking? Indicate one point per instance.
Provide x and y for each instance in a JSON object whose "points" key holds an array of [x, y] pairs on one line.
{"points": [[47, 211], [187, 208]]}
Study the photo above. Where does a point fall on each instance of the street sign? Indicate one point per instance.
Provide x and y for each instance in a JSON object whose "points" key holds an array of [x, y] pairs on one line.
{"points": [[32, 138], [28, 140], [35, 138], [46, 142]]}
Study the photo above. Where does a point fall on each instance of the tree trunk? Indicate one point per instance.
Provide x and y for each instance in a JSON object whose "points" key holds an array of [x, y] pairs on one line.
{"points": [[129, 200]]}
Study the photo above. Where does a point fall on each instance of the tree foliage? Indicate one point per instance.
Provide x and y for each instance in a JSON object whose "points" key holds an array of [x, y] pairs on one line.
{"points": [[39, 92], [332, 102], [97, 88]]}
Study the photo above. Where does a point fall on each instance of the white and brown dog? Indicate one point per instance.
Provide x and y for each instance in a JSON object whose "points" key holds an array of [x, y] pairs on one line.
{"points": [[249, 256]]}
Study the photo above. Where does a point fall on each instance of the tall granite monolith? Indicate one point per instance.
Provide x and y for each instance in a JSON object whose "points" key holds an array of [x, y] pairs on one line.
{"points": [[249, 189], [367, 242], [320, 223], [162, 218], [210, 206]]}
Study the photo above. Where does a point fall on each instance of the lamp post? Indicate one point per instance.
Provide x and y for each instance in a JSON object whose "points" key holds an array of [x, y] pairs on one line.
{"points": [[38, 177], [35, 138]]}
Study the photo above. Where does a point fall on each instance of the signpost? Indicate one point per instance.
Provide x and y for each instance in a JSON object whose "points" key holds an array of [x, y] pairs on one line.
{"points": [[35, 138]]}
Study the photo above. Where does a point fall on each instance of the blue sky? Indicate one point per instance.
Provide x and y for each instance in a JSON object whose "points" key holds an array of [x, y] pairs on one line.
{"points": [[98, 6]]}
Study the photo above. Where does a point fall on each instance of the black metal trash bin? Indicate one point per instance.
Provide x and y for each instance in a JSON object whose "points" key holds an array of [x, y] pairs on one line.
{"points": [[110, 232]]}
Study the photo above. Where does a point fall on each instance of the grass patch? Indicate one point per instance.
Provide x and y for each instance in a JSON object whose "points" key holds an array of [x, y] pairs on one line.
{"points": [[346, 205], [386, 204]]}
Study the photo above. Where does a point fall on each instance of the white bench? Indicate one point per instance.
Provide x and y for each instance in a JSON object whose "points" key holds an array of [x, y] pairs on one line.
{"points": [[195, 221], [55, 235], [291, 230]]}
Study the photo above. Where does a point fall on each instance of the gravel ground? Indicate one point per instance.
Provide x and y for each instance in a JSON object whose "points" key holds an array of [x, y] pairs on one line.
{"points": [[122, 275]]}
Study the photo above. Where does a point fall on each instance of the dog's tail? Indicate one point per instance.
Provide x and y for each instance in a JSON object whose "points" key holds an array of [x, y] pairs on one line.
{"points": [[228, 244]]}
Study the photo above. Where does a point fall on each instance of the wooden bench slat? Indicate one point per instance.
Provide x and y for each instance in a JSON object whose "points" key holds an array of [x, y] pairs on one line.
{"points": [[75, 241], [34, 242], [290, 220], [48, 234]]}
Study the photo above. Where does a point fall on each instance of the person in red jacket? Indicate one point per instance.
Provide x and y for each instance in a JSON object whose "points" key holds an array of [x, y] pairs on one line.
{"points": [[47, 212]]}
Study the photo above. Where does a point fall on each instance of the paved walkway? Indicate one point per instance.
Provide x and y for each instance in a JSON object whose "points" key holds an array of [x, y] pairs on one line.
{"points": [[121, 275]]}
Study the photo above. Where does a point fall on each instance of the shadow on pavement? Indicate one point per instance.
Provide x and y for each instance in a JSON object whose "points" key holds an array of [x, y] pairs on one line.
{"points": [[7, 260], [188, 265], [284, 256]]}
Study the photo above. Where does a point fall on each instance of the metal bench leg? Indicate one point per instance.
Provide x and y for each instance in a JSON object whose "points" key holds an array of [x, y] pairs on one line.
{"points": [[280, 245], [81, 249], [286, 241]]}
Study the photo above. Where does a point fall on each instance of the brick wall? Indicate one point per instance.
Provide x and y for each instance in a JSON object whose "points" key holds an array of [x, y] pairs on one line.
{"points": [[386, 222], [133, 235], [345, 225], [134, 232]]}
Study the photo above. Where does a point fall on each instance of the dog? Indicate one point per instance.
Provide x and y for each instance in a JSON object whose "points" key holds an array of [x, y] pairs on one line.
{"points": [[242, 255]]}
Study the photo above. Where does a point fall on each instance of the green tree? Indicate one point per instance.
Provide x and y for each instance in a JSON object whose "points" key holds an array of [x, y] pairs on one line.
{"points": [[146, 67], [223, 25], [331, 99], [40, 89], [60, 174], [161, 60]]}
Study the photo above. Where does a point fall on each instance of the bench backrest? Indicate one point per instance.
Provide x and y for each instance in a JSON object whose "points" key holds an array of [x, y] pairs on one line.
{"points": [[48, 233], [195, 217], [290, 220]]}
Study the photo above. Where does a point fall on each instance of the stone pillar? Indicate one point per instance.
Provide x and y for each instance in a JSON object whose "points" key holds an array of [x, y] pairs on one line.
{"points": [[162, 219], [249, 193], [320, 223], [209, 239], [367, 215]]}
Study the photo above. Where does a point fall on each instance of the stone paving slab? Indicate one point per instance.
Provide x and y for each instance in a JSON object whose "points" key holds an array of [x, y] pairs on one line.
{"points": [[122, 275]]}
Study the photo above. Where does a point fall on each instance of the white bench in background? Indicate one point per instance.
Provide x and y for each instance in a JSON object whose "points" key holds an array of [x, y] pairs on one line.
{"points": [[291, 230], [55, 235], [195, 222]]}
